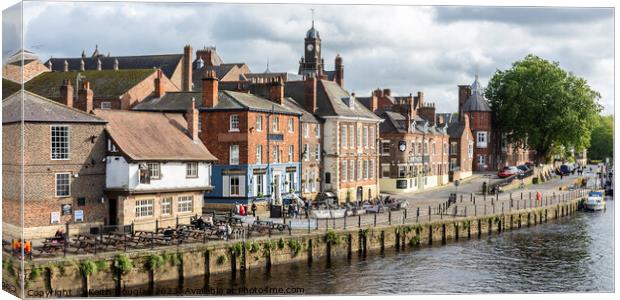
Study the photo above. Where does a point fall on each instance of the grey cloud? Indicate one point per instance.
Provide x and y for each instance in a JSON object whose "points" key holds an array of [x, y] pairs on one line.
{"points": [[11, 30]]}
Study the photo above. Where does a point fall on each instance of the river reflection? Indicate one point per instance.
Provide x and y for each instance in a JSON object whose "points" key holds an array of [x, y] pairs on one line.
{"points": [[571, 254]]}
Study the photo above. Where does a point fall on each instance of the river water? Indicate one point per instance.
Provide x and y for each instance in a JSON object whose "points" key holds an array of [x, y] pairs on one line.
{"points": [[568, 255]]}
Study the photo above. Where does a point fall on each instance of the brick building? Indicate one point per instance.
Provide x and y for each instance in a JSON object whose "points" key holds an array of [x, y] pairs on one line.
{"points": [[149, 177], [313, 64], [22, 66], [461, 148], [176, 67], [63, 170], [105, 89]]}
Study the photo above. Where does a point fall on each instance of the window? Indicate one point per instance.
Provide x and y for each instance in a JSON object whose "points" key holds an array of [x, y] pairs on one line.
{"points": [[453, 164], [328, 177], [234, 187], [60, 142], [372, 137], [365, 169], [191, 169], [343, 139], [144, 174], [425, 147], [481, 159], [359, 170], [111, 146], [275, 124], [317, 130], [365, 137], [344, 171], [318, 151], [166, 206], [306, 130], [434, 149], [291, 181], [276, 150], [259, 154], [453, 148], [259, 123], [351, 170], [385, 148], [481, 140], [290, 124], [154, 170], [385, 170], [234, 154], [359, 137], [234, 123], [185, 204], [419, 148], [351, 136], [313, 183], [258, 185], [470, 150], [63, 184], [199, 124], [402, 171], [106, 105], [290, 153], [372, 169], [306, 151], [144, 208], [445, 148]]}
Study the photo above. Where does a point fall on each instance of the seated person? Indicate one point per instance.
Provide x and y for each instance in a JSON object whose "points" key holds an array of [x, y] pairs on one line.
{"points": [[168, 232]]}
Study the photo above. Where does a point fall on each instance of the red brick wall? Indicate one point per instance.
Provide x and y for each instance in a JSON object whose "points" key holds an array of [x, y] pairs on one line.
{"points": [[30, 70], [481, 121]]}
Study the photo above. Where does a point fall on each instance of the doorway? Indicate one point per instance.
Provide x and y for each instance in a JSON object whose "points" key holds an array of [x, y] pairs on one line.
{"points": [[112, 211]]}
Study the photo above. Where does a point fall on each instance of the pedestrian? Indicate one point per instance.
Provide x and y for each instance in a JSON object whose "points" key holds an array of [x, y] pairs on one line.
{"points": [[561, 175], [253, 209], [307, 209], [539, 198]]}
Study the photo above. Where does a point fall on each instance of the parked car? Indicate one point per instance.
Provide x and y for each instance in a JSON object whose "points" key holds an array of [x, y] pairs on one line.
{"points": [[566, 169], [523, 168], [509, 171]]}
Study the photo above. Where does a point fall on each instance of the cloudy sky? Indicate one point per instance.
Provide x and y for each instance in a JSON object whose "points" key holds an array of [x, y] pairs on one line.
{"points": [[405, 48]]}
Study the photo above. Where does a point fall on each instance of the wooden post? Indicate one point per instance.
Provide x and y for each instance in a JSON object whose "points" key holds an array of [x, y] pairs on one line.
{"points": [[375, 223], [345, 220], [390, 217], [359, 221]]}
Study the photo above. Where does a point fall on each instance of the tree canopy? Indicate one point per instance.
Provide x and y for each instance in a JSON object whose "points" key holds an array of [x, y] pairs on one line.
{"points": [[602, 141], [539, 105]]}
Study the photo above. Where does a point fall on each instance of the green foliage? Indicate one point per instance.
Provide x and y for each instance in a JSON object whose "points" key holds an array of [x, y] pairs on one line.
{"points": [[602, 140], [538, 104], [35, 273], [123, 264], [236, 249], [365, 232], [154, 261], [295, 247], [102, 265], [87, 267], [221, 259], [466, 224], [62, 270], [8, 265], [496, 220], [281, 244], [414, 241], [254, 247], [268, 246], [331, 237]]}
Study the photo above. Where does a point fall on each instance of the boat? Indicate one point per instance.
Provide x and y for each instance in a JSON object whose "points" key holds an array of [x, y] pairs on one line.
{"points": [[595, 201]]}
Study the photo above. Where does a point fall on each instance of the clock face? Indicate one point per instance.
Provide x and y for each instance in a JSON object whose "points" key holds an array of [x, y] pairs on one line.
{"points": [[310, 47]]}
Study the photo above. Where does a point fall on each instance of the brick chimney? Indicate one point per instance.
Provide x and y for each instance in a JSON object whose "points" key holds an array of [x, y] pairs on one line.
{"points": [[464, 93], [310, 93], [186, 77], [66, 93], [440, 120], [339, 76], [420, 99], [210, 89], [192, 121], [427, 112], [387, 92], [160, 90], [85, 97], [374, 103], [276, 91], [466, 120]]}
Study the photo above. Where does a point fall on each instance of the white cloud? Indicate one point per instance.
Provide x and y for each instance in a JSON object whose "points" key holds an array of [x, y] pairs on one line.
{"points": [[405, 48]]}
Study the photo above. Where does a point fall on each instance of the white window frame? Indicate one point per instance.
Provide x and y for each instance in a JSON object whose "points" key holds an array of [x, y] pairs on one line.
{"points": [[365, 169], [481, 139], [166, 206], [259, 123], [231, 187], [291, 150], [306, 155], [372, 137], [351, 170], [318, 151], [291, 126], [154, 166], [191, 169], [259, 184], [365, 137], [68, 184], [259, 154], [60, 142], [359, 137], [351, 137], [345, 173], [317, 130], [112, 146], [105, 105], [275, 124], [233, 155], [306, 130], [383, 148], [185, 204], [371, 169], [144, 208], [359, 169], [385, 170], [344, 136], [453, 147], [470, 149], [233, 123], [276, 154]]}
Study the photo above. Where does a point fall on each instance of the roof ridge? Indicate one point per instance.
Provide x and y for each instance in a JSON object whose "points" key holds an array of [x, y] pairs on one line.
{"points": [[62, 105], [120, 56]]}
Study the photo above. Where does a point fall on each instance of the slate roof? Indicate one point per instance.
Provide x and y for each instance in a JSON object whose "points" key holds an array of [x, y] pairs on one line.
{"points": [[9, 87], [476, 102], [455, 129], [153, 136], [40, 109], [306, 116], [166, 62], [228, 100], [223, 72], [105, 83], [395, 122]]}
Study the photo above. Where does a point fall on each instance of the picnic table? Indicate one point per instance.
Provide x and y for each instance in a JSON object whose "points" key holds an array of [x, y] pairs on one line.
{"points": [[52, 245]]}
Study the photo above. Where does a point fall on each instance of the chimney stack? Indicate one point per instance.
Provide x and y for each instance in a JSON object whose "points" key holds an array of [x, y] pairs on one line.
{"points": [[387, 92], [186, 77], [464, 93], [85, 97], [339, 76], [159, 84], [310, 93], [276, 91], [466, 120], [210, 89], [374, 103], [66, 93], [192, 121], [420, 99]]}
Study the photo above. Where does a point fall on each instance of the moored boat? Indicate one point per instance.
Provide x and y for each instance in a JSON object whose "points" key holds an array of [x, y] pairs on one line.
{"points": [[595, 201]]}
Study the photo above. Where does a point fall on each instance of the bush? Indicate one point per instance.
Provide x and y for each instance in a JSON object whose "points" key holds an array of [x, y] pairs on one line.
{"points": [[414, 241], [221, 259], [364, 232], [254, 247], [102, 265], [154, 261], [331, 237], [295, 247], [466, 224], [281, 244], [123, 264], [35, 273], [236, 249], [87, 268]]}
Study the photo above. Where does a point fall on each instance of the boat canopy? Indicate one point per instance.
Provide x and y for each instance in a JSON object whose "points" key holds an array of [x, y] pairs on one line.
{"points": [[595, 194]]}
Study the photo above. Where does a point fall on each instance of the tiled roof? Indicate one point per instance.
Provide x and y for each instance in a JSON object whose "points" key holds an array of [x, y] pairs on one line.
{"points": [[105, 84], [40, 109], [223, 72], [306, 116], [153, 136], [166, 62], [9, 87]]}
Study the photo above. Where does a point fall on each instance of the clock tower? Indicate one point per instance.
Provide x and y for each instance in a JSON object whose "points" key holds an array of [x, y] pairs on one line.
{"points": [[312, 62]]}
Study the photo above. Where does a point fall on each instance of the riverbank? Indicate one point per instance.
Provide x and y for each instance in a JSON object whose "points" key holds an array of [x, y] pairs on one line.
{"points": [[112, 274]]}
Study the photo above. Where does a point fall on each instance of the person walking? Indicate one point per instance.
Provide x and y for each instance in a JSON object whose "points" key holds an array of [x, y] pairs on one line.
{"points": [[254, 209]]}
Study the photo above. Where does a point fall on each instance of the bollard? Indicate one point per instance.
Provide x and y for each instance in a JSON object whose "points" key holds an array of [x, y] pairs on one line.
{"points": [[326, 223], [405, 214], [494, 209], [417, 214], [465, 211], [345, 220], [521, 195], [429, 212], [375, 220], [471, 197], [502, 207], [308, 220], [289, 228], [390, 217], [177, 222], [153, 244], [359, 221], [530, 196], [475, 199], [157, 225], [475, 211], [461, 198], [334, 222]]}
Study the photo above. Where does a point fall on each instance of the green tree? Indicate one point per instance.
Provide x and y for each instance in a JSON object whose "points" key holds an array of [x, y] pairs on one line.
{"points": [[602, 141], [538, 104]]}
